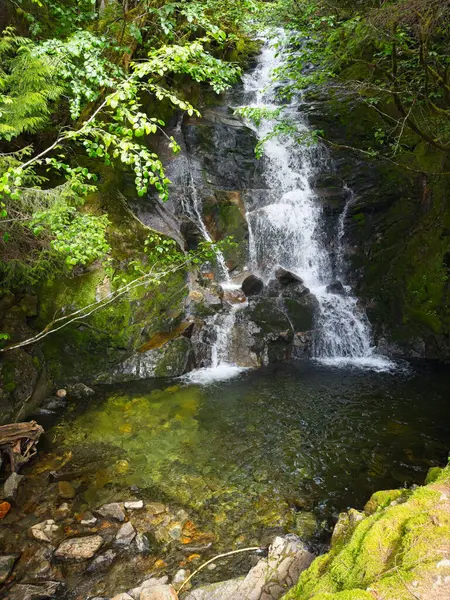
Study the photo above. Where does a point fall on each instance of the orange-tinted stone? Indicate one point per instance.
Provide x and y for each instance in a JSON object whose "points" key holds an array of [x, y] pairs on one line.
{"points": [[4, 509]]}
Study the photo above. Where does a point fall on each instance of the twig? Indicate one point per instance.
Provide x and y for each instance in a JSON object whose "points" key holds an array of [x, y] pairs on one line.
{"points": [[252, 549]]}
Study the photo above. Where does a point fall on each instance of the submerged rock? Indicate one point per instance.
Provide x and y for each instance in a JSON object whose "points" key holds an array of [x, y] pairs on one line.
{"points": [[11, 485], [38, 591], [45, 531], [114, 511], [102, 562], [125, 535], [80, 548], [66, 490]]}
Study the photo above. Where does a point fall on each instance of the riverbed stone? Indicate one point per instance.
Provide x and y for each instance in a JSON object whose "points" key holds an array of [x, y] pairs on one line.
{"points": [[80, 548], [6, 565], [11, 485], [102, 562], [45, 531], [66, 490], [122, 596], [114, 511], [88, 519], [159, 592], [38, 591], [156, 508], [134, 504], [125, 535]]}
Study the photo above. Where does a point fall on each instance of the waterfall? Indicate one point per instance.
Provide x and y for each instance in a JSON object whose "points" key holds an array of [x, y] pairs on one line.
{"points": [[285, 228]]}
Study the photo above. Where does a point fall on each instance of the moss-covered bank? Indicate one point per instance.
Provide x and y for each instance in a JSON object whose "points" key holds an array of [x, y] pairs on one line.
{"points": [[397, 549]]}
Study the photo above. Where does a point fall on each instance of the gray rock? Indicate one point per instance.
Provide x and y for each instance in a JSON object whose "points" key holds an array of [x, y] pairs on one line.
{"points": [[102, 562], [125, 535], [134, 504], [6, 565], [112, 511], [88, 519], [11, 485], [159, 592], [45, 531], [43, 591], [80, 548], [269, 579]]}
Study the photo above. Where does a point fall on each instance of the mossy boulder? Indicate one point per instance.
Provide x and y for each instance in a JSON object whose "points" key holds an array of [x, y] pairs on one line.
{"points": [[399, 551], [89, 347]]}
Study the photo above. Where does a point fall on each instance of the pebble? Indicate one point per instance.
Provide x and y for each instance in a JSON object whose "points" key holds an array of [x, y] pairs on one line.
{"points": [[125, 535], [80, 548], [66, 490], [4, 509], [134, 504], [112, 511], [11, 485], [179, 578], [45, 531], [62, 393]]}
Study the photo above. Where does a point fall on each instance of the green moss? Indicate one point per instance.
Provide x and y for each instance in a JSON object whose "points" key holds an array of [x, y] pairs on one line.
{"points": [[433, 474], [382, 499], [386, 550]]}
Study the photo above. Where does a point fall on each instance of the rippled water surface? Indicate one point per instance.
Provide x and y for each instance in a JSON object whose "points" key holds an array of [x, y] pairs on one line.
{"points": [[252, 453]]}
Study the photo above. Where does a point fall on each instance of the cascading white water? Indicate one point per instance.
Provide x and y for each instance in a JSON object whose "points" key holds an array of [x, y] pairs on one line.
{"points": [[285, 229]]}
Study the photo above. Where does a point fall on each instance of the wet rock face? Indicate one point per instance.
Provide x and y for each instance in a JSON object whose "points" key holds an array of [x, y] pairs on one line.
{"points": [[252, 285]]}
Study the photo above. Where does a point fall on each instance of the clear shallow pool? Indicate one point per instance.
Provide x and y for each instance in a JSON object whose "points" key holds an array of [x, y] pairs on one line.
{"points": [[250, 454]]}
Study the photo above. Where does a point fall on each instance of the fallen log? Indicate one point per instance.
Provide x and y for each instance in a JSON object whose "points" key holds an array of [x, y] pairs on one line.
{"points": [[18, 441]]}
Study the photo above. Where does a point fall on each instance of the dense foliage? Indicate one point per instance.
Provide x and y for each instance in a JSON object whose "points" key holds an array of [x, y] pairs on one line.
{"points": [[392, 55], [80, 86]]}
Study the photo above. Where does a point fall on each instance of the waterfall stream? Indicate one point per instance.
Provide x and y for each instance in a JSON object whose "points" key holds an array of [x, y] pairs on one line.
{"points": [[287, 229]]}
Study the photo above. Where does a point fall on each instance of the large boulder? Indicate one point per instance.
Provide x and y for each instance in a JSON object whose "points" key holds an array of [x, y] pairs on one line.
{"points": [[269, 579], [252, 285]]}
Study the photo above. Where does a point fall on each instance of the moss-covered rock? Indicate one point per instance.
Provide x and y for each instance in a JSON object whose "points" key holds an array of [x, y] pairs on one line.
{"points": [[398, 551]]}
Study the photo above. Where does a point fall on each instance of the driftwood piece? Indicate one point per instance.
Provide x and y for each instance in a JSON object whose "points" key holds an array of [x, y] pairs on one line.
{"points": [[18, 441]]}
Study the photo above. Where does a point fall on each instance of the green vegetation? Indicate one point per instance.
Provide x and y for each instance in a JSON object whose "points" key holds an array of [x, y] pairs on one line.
{"points": [[392, 56], [80, 89], [394, 551]]}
